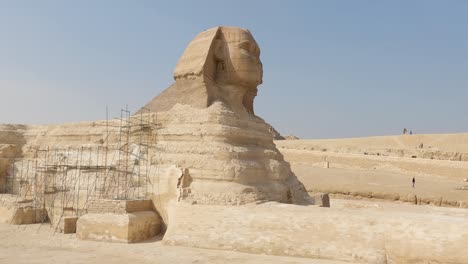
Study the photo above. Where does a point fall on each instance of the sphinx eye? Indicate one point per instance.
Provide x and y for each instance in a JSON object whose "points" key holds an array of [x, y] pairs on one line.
{"points": [[245, 45], [257, 51]]}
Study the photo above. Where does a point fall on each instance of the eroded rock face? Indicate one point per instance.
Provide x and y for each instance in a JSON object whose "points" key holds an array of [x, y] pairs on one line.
{"points": [[230, 160], [370, 236], [210, 128], [220, 64]]}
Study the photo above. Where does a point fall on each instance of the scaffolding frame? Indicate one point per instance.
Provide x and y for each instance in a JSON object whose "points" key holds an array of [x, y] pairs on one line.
{"points": [[62, 182]]}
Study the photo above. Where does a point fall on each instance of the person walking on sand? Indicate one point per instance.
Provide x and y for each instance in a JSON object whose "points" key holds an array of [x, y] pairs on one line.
{"points": [[414, 181]]}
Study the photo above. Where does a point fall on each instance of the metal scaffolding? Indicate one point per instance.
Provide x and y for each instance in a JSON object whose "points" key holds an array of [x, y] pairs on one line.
{"points": [[62, 182]]}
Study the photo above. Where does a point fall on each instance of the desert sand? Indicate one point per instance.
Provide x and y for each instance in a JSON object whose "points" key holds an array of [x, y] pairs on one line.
{"points": [[38, 244], [383, 167]]}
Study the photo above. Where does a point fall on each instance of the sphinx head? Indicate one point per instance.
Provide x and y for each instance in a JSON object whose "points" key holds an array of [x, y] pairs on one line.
{"points": [[237, 58], [227, 60]]}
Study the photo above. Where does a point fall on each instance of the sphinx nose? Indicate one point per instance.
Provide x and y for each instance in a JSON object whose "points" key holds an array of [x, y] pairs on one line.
{"points": [[260, 72]]}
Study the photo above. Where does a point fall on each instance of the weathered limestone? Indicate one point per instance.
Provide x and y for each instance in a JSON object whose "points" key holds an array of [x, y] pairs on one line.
{"points": [[29, 215], [119, 206], [20, 212], [122, 228], [7, 154], [209, 129], [123, 221], [220, 64], [314, 232], [322, 199], [228, 160], [22, 215], [67, 225]]}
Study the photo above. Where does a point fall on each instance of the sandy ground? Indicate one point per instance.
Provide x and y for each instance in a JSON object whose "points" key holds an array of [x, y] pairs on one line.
{"points": [[383, 167], [37, 244], [393, 209], [431, 142], [379, 184]]}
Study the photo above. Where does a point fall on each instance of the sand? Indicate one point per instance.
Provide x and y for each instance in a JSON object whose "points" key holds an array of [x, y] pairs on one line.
{"points": [[383, 167], [37, 244]]}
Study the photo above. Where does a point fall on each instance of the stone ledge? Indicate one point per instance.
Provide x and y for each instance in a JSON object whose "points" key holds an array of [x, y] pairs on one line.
{"points": [[121, 228], [320, 233], [100, 206]]}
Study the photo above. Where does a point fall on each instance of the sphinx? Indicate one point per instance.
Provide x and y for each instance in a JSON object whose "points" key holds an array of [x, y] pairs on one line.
{"points": [[220, 64], [209, 130]]}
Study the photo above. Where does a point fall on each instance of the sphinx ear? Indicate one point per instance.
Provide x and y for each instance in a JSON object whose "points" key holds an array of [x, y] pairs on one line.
{"points": [[218, 49]]}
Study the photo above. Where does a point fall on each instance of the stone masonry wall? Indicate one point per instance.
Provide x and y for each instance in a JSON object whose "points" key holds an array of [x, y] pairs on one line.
{"points": [[138, 206], [119, 206]]}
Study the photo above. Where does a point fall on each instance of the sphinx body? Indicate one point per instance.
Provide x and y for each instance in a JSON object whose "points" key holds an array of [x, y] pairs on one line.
{"points": [[210, 130]]}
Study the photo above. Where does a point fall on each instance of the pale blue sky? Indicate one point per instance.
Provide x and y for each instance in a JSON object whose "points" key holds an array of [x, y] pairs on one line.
{"points": [[331, 68]]}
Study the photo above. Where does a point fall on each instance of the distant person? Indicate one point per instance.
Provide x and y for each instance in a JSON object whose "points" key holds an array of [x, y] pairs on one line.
{"points": [[404, 131], [414, 181], [411, 132]]}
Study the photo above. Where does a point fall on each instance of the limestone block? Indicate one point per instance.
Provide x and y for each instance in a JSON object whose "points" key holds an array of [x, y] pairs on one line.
{"points": [[68, 225], [101, 206], [463, 204], [314, 232], [132, 206], [6, 214], [7, 153], [119, 206], [464, 157], [322, 200], [28, 215], [122, 228], [326, 164]]}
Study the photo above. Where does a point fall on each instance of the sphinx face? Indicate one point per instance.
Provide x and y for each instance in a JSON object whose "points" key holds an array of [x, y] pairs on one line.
{"points": [[241, 63]]}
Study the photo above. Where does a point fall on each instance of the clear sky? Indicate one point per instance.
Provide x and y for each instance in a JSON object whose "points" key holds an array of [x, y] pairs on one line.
{"points": [[331, 68]]}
